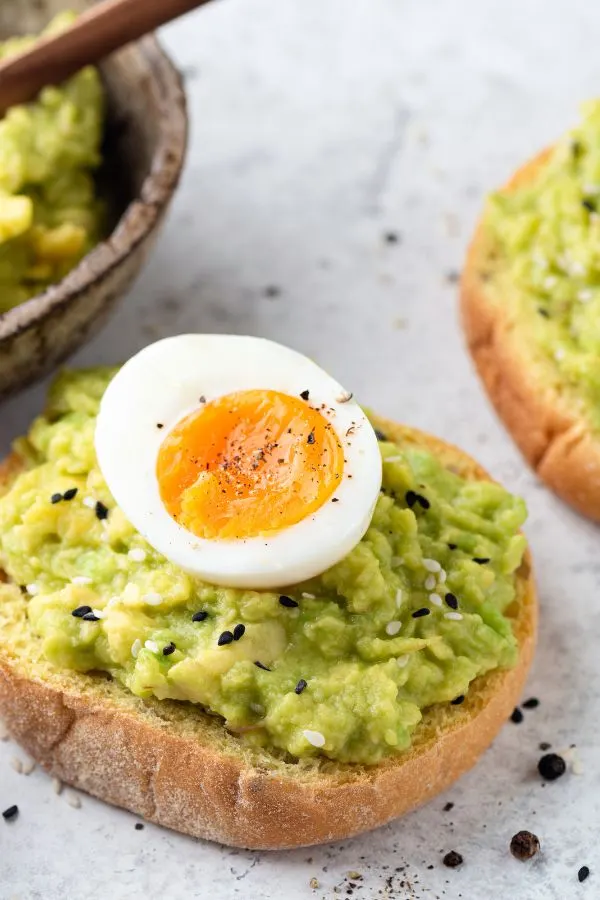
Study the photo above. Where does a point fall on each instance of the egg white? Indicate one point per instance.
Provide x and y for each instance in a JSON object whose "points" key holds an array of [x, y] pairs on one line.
{"points": [[164, 383]]}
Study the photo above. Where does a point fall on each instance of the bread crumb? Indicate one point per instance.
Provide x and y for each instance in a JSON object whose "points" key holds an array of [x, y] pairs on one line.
{"points": [[57, 785], [73, 799], [313, 883], [16, 764]]}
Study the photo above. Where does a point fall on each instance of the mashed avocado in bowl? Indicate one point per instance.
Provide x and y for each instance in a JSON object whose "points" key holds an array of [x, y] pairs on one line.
{"points": [[50, 212], [545, 258], [343, 665]]}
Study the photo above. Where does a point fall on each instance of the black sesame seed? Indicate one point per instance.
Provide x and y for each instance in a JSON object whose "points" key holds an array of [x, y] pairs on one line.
{"points": [[588, 204], [380, 435], [335, 499], [516, 716], [544, 745], [225, 637], [458, 700], [532, 703], [481, 560], [300, 686], [288, 602], [452, 546], [90, 617], [200, 616], [551, 766], [11, 813], [448, 806], [170, 648], [70, 494], [56, 498], [81, 611], [451, 601], [411, 498], [391, 237], [452, 859], [238, 631], [160, 425], [423, 501], [305, 395], [101, 510], [583, 873], [543, 312], [262, 666], [524, 845], [421, 612], [272, 290], [139, 826], [311, 438]]}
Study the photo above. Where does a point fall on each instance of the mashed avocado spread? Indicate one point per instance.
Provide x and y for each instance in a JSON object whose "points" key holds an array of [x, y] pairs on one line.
{"points": [[50, 216], [546, 234], [342, 665]]}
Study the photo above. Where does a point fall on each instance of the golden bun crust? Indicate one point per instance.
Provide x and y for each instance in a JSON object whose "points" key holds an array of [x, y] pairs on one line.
{"points": [[543, 416], [180, 768]]}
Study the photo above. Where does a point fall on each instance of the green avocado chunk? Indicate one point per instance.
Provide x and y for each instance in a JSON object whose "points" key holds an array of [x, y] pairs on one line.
{"points": [[545, 261], [341, 665]]}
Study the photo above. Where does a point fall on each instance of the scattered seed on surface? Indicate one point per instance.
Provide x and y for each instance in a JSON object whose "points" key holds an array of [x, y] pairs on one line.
{"points": [[288, 602], [451, 601], [452, 546], [152, 646], [532, 703], [393, 628], [136, 647], [430, 582], [139, 826], [81, 611], [391, 237], [452, 859], [481, 560], [380, 435], [56, 498], [70, 494], [152, 599], [11, 813], [436, 599], [16, 764], [399, 597], [311, 438], [418, 613], [432, 565], [239, 631], [200, 616], [314, 737], [260, 665], [89, 502], [226, 637], [551, 766], [448, 806], [453, 616], [300, 686], [29, 767], [344, 397], [402, 661], [516, 716], [160, 425], [583, 873], [101, 510], [544, 745], [32, 589], [57, 785], [458, 700], [309, 596], [136, 554], [305, 394], [73, 800], [524, 845], [170, 648], [4, 732], [91, 616]]}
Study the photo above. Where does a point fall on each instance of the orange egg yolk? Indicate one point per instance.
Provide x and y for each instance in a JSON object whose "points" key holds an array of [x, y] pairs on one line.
{"points": [[248, 464]]}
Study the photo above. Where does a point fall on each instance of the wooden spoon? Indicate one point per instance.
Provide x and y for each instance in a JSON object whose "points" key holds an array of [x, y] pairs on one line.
{"points": [[96, 33]]}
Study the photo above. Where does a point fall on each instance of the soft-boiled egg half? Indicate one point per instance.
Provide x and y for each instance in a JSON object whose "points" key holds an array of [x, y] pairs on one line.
{"points": [[239, 460]]}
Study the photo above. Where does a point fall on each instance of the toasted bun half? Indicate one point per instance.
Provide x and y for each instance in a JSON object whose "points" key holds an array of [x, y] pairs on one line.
{"points": [[545, 417], [179, 767]]}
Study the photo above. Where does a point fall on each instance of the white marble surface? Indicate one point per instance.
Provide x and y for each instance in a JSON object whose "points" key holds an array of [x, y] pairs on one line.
{"points": [[317, 127]]}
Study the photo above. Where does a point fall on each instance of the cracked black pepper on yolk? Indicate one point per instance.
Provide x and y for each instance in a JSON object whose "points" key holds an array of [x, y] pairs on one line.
{"points": [[249, 464]]}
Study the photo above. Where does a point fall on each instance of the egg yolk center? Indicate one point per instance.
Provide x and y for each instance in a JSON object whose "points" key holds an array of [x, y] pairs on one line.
{"points": [[248, 464]]}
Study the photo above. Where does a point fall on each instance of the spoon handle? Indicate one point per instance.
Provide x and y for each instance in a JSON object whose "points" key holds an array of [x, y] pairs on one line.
{"points": [[96, 33]]}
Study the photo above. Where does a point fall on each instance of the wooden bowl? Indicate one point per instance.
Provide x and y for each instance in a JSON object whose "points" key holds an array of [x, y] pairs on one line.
{"points": [[144, 150]]}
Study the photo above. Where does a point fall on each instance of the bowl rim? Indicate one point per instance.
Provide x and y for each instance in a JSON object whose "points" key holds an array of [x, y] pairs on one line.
{"points": [[141, 214]]}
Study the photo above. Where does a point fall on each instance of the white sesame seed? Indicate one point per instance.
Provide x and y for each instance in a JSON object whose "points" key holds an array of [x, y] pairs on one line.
{"points": [[314, 737], [57, 785], [16, 764], [152, 646], [4, 733], [136, 554], [32, 589], [99, 613], [73, 800], [392, 459], [432, 565], [399, 597], [585, 295], [136, 647], [401, 661], [308, 596], [81, 579], [453, 616], [442, 576], [393, 628], [28, 767], [436, 599], [430, 582], [152, 599], [577, 767], [89, 502]]}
